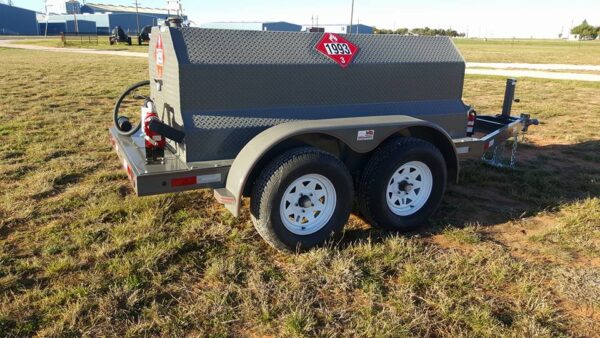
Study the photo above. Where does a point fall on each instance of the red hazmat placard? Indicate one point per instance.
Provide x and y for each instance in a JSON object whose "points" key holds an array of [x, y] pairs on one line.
{"points": [[337, 48], [159, 57]]}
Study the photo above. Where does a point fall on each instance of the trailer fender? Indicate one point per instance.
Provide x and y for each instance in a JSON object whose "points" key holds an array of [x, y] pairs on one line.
{"points": [[361, 134]]}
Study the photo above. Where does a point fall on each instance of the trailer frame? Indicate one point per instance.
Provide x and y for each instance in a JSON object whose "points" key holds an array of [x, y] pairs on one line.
{"points": [[229, 177]]}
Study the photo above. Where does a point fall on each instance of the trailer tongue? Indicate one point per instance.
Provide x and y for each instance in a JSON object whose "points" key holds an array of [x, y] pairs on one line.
{"points": [[299, 121]]}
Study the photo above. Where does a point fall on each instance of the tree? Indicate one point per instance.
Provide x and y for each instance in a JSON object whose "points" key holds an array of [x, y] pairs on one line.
{"points": [[585, 30], [420, 31]]}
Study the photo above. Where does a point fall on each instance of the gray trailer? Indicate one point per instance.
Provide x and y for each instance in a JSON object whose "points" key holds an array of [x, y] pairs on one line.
{"points": [[308, 125]]}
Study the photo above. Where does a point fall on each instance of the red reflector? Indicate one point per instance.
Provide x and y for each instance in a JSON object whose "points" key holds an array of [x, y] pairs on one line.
{"points": [[178, 182]]}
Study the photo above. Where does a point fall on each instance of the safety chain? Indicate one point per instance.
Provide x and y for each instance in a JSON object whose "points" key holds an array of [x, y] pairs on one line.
{"points": [[497, 159]]}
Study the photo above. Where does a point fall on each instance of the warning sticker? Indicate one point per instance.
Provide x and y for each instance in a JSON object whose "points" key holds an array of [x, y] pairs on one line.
{"points": [[159, 57], [365, 135], [337, 48]]}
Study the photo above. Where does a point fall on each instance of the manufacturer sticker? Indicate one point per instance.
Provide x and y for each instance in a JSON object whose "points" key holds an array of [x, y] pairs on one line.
{"points": [[337, 48], [365, 135], [159, 57], [203, 179]]}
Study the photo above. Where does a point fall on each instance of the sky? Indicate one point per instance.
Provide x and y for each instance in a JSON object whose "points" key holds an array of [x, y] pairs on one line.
{"points": [[478, 18]]}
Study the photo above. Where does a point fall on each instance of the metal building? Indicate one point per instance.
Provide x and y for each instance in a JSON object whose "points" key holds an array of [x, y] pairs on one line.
{"points": [[82, 26], [62, 6], [65, 23], [67, 26], [106, 17], [279, 26], [17, 21], [124, 16], [341, 29]]}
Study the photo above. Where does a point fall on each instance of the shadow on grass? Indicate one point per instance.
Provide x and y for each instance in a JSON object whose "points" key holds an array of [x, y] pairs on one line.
{"points": [[545, 178]]}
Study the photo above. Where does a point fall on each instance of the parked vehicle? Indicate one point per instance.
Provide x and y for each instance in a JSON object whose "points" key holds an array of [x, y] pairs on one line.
{"points": [[144, 36], [119, 35], [306, 125]]}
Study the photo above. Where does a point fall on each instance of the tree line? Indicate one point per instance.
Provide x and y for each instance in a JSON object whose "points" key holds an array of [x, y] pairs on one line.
{"points": [[420, 31], [586, 31]]}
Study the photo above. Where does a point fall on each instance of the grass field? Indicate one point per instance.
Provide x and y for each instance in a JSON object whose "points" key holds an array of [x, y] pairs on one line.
{"points": [[474, 50], [530, 51], [509, 253]]}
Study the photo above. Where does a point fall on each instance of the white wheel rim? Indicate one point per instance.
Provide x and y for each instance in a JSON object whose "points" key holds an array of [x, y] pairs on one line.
{"points": [[409, 188], [307, 204]]}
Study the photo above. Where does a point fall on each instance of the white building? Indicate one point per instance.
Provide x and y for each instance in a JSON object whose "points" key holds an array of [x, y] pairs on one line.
{"points": [[62, 6], [340, 29], [254, 26]]}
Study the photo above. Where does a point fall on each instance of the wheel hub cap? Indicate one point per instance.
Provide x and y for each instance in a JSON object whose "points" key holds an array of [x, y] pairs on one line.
{"points": [[307, 204], [405, 186], [409, 188]]}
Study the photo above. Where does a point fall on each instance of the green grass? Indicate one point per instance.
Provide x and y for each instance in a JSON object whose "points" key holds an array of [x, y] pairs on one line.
{"points": [[577, 229], [81, 256], [530, 51]]}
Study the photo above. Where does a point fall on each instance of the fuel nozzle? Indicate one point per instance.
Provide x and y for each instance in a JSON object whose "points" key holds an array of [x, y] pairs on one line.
{"points": [[123, 124]]}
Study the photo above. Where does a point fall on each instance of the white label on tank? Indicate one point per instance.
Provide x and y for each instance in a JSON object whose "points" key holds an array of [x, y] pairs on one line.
{"points": [[365, 135], [203, 179]]}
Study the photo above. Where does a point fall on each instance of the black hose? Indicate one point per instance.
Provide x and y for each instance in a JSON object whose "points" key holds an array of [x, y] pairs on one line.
{"points": [[118, 106]]}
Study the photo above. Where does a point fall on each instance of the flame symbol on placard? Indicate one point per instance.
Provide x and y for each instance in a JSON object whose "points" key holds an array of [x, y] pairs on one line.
{"points": [[332, 38]]}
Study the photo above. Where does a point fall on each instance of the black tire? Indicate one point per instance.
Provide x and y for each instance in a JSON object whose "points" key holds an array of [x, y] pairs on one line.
{"points": [[373, 183], [270, 187], [129, 41], [118, 106]]}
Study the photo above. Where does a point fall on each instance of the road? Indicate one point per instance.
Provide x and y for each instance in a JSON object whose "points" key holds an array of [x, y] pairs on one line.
{"points": [[534, 74], [539, 71]]}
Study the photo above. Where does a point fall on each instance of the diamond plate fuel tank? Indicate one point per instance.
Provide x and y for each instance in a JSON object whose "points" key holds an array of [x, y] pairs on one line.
{"points": [[223, 87]]}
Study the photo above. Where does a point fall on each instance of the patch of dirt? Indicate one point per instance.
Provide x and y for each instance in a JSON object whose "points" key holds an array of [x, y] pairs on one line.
{"points": [[589, 316], [517, 236], [444, 242]]}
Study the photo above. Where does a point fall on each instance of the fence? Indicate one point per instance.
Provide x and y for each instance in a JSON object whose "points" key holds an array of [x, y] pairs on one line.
{"points": [[81, 38]]}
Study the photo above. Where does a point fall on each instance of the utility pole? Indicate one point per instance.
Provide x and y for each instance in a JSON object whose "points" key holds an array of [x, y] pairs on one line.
{"points": [[137, 16], [174, 5], [76, 23], [74, 15], [351, 16], [47, 14]]}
